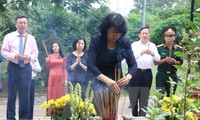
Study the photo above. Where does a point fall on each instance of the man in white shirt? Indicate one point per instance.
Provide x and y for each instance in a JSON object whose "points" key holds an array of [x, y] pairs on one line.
{"points": [[19, 48], [145, 53]]}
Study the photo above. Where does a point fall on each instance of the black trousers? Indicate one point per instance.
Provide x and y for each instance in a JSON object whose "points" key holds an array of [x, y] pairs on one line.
{"points": [[19, 82], [139, 89]]}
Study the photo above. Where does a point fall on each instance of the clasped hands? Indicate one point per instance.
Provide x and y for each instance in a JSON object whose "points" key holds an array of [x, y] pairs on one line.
{"points": [[115, 85], [148, 52], [170, 60], [22, 57], [78, 60]]}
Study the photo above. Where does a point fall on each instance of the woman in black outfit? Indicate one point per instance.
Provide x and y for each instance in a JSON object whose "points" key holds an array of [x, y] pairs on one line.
{"points": [[106, 51]]}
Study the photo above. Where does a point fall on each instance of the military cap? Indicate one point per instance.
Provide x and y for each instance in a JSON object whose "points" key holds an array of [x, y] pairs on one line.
{"points": [[169, 32]]}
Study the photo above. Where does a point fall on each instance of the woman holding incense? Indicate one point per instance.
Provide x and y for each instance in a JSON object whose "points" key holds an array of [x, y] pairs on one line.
{"points": [[106, 51], [56, 62]]}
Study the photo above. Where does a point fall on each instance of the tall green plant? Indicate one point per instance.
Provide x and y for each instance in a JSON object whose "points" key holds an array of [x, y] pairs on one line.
{"points": [[182, 106], [191, 55]]}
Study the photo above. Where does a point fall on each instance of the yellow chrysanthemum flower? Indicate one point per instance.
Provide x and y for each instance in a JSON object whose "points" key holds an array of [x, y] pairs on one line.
{"points": [[93, 112], [66, 98], [166, 99], [189, 100], [51, 102], [81, 105], [92, 109], [44, 105], [190, 115], [58, 103], [160, 101], [163, 107], [63, 101], [166, 108], [176, 99]]}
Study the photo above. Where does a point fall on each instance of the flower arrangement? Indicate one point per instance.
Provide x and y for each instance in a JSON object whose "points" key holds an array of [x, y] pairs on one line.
{"points": [[80, 109], [57, 106]]}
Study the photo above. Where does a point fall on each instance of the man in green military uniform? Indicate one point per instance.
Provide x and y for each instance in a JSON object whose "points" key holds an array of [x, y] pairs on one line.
{"points": [[166, 66]]}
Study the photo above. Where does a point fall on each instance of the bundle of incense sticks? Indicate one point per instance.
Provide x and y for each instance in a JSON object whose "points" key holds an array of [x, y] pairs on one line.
{"points": [[44, 46], [170, 52], [107, 101]]}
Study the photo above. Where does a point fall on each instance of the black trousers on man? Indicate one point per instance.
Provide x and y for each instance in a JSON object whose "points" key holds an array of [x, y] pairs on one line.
{"points": [[140, 88], [19, 83]]}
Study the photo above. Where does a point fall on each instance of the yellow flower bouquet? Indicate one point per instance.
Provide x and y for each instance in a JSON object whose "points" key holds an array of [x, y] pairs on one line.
{"points": [[57, 106], [79, 109]]}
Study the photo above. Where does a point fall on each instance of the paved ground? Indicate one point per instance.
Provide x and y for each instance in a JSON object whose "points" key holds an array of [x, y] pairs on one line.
{"points": [[40, 114]]}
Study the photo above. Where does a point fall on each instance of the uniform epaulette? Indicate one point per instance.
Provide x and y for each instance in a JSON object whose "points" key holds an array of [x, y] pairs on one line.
{"points": [[160, 45], [178, 46]]}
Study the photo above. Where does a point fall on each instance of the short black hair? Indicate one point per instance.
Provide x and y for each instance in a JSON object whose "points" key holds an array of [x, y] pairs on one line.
{"points": [[60, 50], [115, 20], [76, 41], [146, 27], [20, 16]]}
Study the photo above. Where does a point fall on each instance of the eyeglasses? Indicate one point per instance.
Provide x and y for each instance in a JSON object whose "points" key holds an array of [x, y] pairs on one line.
{"points": [[116, 33], [169, 35]]}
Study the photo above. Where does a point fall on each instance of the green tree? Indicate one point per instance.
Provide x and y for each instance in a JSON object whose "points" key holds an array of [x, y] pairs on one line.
{"points": [[2, 7], [96, 14], [159, 19], [158, 4]]}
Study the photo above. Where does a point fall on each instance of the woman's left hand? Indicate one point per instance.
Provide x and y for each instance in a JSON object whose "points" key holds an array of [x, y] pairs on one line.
{"points": [[123, 81]]}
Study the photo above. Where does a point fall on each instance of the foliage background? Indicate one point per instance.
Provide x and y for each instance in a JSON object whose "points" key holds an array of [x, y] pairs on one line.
{"points": [[63, 20]]}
